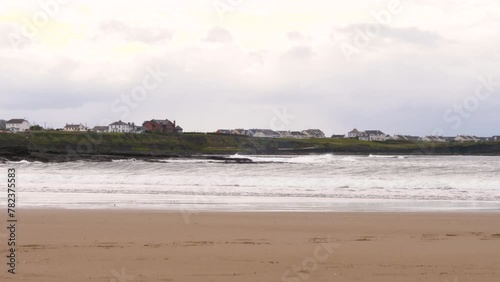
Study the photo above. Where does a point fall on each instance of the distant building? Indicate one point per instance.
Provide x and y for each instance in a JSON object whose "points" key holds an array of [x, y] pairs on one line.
{"points": [[313, 133], [178, 129], [337, 136], [285, 133], [404, 138], [353, 133], [224, 131], [17, 125], [466, 138], [3, 124], [297, 134], [436, 139], [238, 131], [100, 129], [74, 127], [121, 127], [375, 135], [495, 138], [159, 125], [267, 133]]}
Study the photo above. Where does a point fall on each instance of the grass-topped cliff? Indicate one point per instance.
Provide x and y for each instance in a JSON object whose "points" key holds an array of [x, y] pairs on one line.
{"points": [[70, 146]]}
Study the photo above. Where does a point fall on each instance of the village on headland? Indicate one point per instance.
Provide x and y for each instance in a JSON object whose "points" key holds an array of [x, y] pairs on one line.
{"points": [[165, 126]]}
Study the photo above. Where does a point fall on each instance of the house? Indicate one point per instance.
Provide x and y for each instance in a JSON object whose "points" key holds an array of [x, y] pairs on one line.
{"points": [[297, 134], [224, 131], [100, 129], [375, 135], [74, 127], [285, 133], [408, 138], [17, 125], [178, 129], [495, 138], [353, 133], [267, 133], [313, 133], [238, 131], [121, 127], [437, 139], [3, 125], [466, 138], [139, 129], [159, 125], [337, 136]]}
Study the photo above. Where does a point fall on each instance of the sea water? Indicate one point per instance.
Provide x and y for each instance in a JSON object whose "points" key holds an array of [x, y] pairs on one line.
{"points": [[269, 183]]}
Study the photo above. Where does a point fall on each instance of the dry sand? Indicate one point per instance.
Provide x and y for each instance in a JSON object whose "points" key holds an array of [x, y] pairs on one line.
{"points": [[120, 246]]}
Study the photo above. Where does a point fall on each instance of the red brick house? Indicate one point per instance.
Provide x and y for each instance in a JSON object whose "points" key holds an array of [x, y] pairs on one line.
{"points": [[160, 125]]}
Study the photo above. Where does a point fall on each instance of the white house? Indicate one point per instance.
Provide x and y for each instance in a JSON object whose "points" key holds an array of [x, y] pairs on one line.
{"points": [[74, 127], [121, 127], [466, 138], [263, 133], [100, 129], [17, 125], [375, 135], [314, 133], [353, 133], [438, 139]]}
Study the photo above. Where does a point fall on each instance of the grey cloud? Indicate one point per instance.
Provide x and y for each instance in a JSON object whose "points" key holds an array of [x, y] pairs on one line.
{"points": [[218, 35]]}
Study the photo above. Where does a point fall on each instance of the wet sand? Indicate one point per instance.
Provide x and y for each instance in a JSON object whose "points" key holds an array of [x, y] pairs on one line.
{"points": [[100, 245]]}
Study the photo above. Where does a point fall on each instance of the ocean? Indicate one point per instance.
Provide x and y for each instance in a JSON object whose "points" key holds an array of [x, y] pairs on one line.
{"points": [[270, 183]]}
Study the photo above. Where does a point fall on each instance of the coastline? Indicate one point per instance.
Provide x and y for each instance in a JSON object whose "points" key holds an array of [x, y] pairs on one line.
{"points": [[98, 245], [64, 146]]}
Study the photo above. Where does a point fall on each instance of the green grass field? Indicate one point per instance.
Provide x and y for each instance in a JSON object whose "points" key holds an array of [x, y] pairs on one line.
{"points": [[88, 144]]}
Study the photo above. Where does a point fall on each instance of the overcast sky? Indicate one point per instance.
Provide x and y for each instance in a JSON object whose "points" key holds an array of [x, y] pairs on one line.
{"points": [[398, 66]]}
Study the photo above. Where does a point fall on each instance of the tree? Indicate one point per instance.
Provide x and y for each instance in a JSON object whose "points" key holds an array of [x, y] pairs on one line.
{"points": [[36, 127]]}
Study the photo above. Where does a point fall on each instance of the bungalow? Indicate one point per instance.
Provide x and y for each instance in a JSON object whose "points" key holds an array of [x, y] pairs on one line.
{"points": [[121, 127], [159, 125], [238, 131], [140, 129], [17, 125], [337, 136], [285, 133], [298, 134], [100, 129], [466, 138], [408, 138], [224, 131], [313, 133], [74, 127], [267, 133], [375, 135], [437, 139]]}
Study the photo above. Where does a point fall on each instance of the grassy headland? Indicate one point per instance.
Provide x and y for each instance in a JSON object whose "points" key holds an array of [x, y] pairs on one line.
{"points": [[61, 146]]}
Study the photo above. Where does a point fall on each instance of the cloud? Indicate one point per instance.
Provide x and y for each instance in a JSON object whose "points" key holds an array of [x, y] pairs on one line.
{"points": [[118, 30], [218, 35], [297, 36], [410, 35]]}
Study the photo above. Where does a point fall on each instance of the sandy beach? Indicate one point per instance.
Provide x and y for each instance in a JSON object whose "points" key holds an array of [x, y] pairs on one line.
{"points": [[99, 245]]}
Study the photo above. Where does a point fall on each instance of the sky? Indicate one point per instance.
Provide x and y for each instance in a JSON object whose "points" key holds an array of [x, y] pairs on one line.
{"points": [[403, 67]]}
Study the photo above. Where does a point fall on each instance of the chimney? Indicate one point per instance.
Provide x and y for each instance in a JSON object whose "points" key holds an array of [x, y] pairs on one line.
{"points": [[174, 123]]}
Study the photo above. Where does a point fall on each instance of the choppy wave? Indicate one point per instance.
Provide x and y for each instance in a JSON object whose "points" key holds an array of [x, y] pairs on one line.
{"points": [[292, 182]]}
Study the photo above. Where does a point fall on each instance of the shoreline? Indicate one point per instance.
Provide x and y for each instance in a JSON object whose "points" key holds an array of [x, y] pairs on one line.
{"points": [[96, 245]]}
